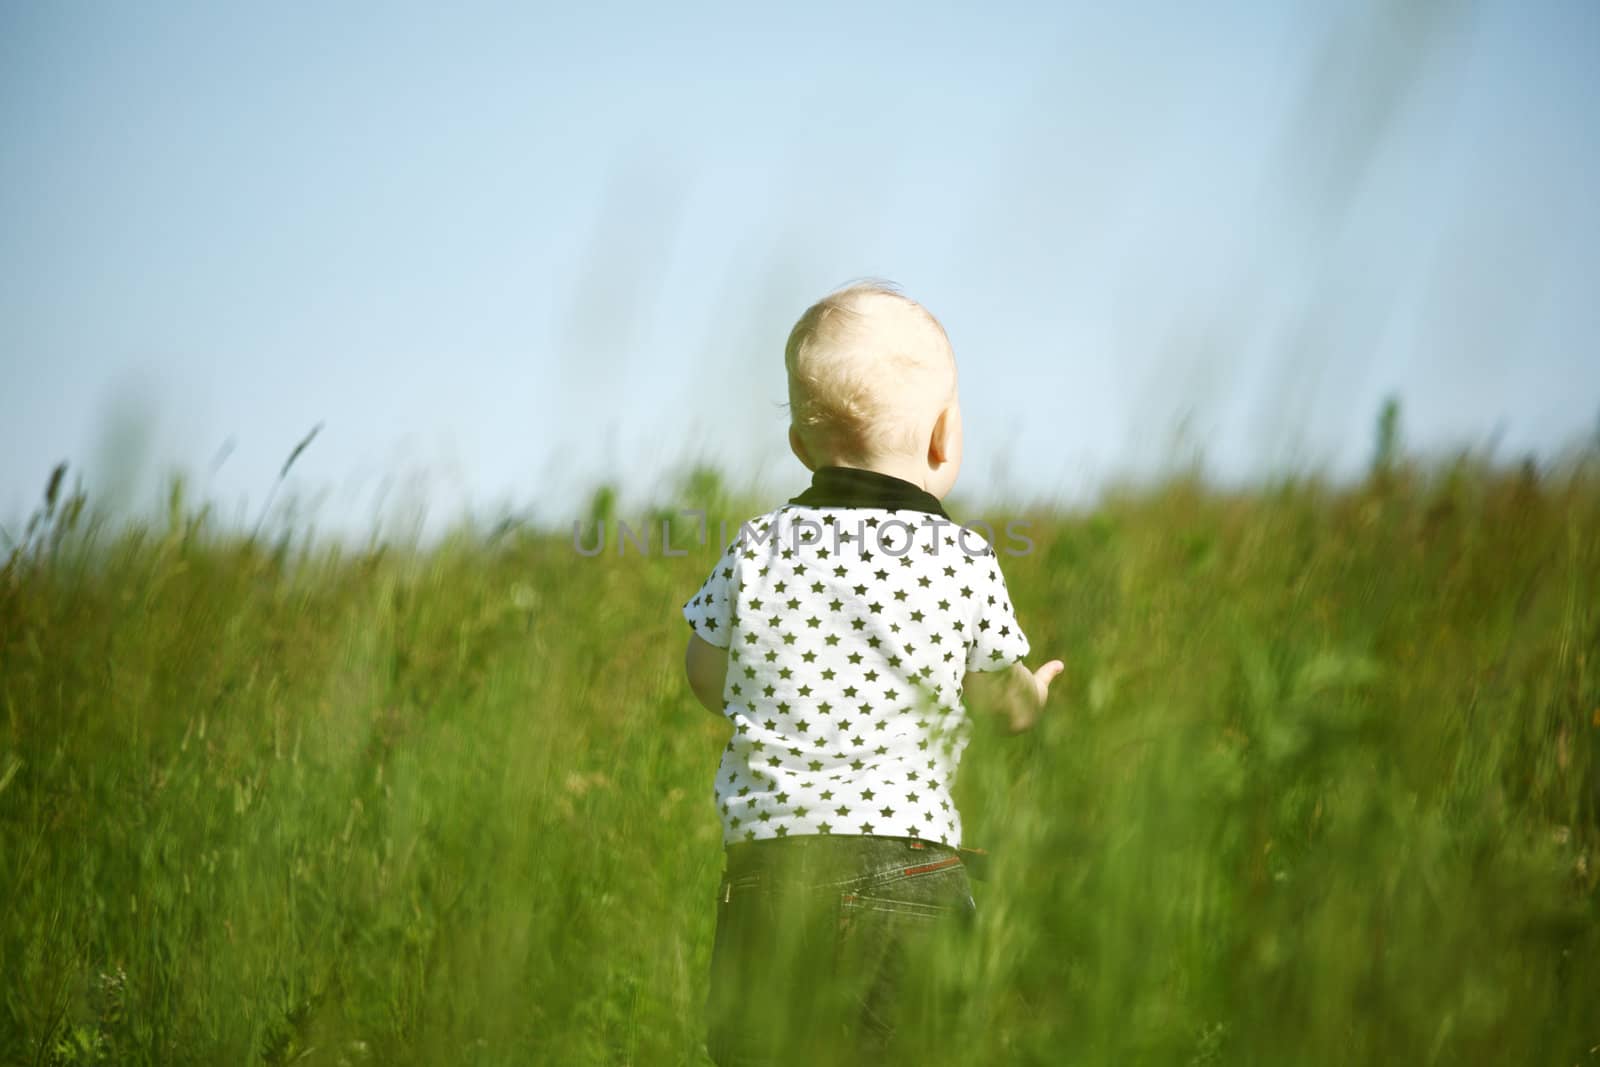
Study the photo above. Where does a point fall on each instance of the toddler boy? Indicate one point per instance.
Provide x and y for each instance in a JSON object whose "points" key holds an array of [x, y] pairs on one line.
{"points": [[838, 635]]}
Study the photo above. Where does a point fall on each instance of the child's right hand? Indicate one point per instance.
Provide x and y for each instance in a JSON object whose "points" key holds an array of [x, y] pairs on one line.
{"points": [[1018, 694], [1025, 713]]}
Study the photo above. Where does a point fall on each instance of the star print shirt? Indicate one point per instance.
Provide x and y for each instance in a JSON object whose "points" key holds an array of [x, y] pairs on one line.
{"points": [[850, 616]]}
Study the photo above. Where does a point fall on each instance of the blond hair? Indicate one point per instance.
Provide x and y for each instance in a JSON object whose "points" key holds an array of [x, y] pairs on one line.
{"points": [[869, 369]]}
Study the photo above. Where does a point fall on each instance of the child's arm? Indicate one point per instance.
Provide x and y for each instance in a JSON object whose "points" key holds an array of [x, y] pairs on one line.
{"points": [[1018, 693], [710, 613], [997, 680], [707, 668]]}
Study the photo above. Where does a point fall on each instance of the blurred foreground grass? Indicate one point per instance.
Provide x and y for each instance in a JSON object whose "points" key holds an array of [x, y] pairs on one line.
{"points": [[1320, 787]]}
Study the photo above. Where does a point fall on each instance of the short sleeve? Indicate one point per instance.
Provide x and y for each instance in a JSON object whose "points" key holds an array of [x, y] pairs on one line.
{"points": [[996, 640], [710, 610]]}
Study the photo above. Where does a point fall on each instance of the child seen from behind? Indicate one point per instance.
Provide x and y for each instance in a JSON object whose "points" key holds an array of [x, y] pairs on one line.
{"points": [[838, 635]]}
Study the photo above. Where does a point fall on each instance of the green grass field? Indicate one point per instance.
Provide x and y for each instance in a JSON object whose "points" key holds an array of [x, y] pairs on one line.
{"points": [[1320, 786]]}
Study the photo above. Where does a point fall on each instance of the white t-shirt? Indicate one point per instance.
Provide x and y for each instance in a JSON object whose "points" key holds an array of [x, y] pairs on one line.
{"points": [[849, 629]]}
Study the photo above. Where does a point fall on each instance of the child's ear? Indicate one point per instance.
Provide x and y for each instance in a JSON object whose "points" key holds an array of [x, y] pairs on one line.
{"points": [[939, 440], [798, 447]]}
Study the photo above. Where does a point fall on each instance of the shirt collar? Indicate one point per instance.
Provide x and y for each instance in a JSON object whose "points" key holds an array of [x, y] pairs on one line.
{"points": [[851, 487]]}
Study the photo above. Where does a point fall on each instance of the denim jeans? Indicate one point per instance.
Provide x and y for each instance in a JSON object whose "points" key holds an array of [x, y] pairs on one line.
{"points": [[820, 941]]}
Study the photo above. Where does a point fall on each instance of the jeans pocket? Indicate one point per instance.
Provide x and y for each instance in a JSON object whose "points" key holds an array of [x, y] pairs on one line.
{"points": [[896, 907], [886, 931]]}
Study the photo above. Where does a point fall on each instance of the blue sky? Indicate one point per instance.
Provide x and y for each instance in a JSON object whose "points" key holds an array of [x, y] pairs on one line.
{"points": [[503, 252]]}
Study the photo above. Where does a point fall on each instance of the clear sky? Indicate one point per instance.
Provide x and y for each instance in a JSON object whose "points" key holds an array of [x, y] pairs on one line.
{"points": [[502, 252]]}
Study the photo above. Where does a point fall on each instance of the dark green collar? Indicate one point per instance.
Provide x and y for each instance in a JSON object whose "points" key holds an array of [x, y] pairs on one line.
{"points": [[850, 487]]}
